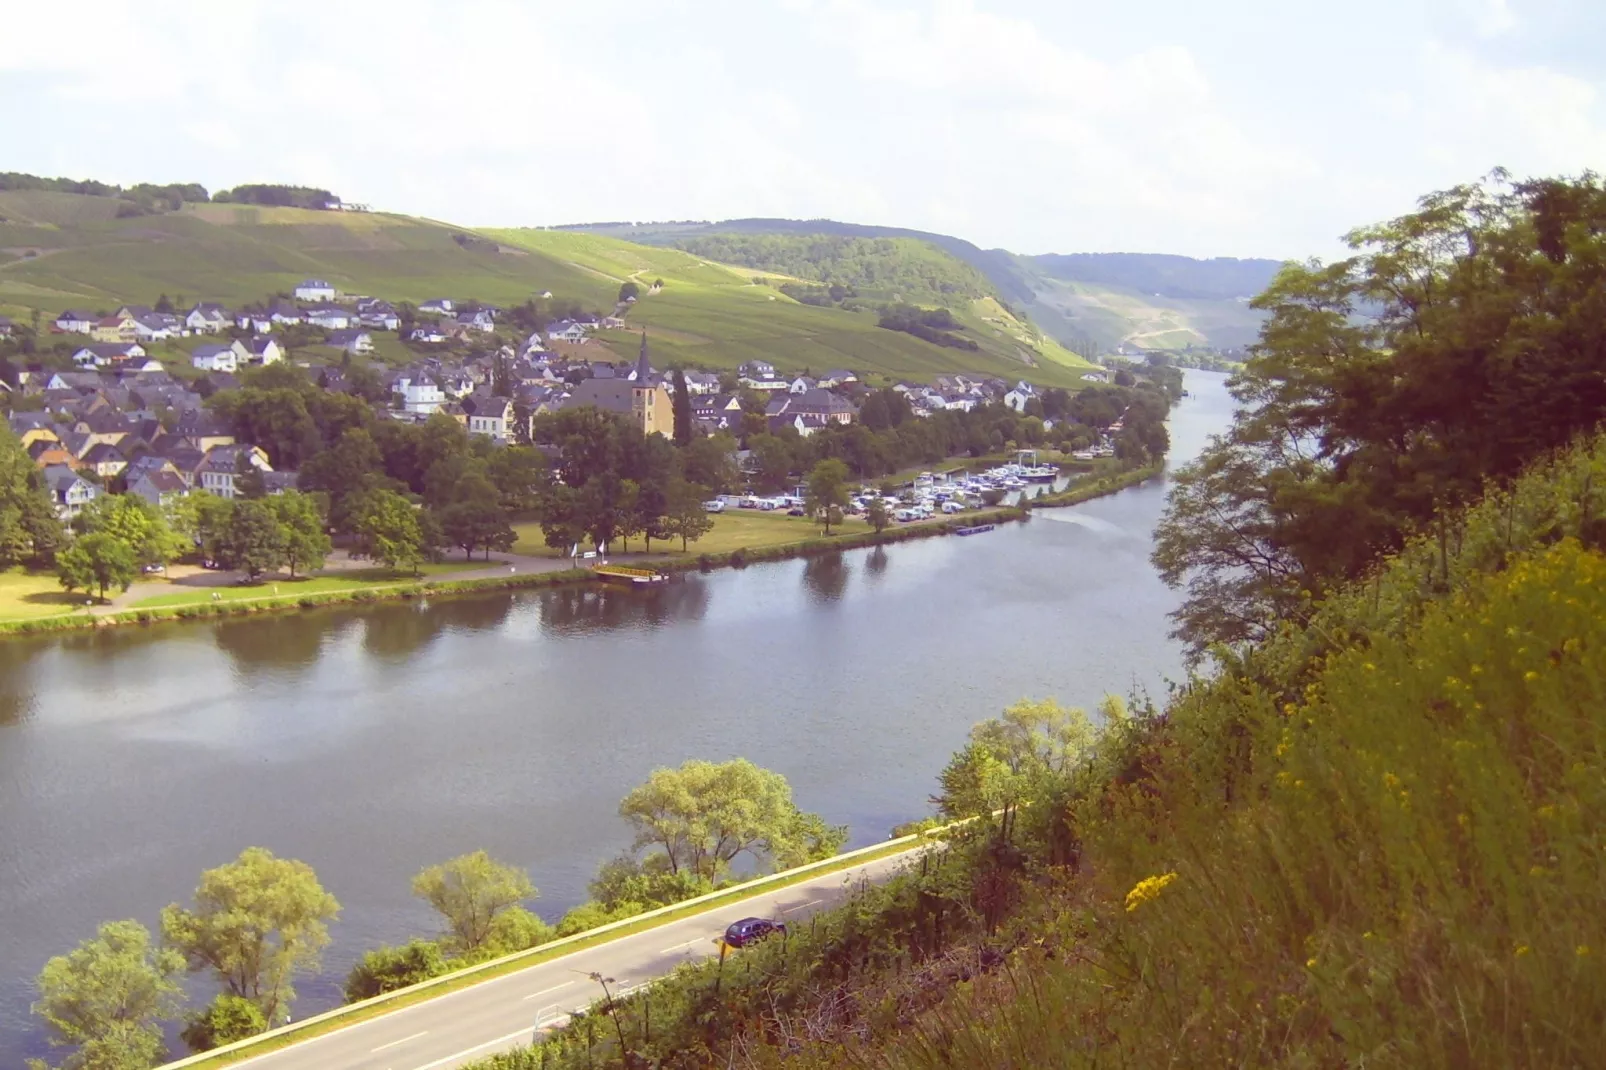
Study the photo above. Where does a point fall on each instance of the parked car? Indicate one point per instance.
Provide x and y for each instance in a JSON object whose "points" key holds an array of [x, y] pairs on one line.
{"points": [[716, 505], [796, 510], [748, 503], [751, 930], [951, 507]]}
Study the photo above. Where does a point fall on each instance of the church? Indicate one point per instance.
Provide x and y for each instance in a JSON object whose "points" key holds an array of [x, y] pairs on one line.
{"points": [[643, 396]]}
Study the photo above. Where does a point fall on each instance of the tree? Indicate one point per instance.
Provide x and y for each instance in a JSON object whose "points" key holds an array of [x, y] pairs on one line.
{"points": [[684, 428], [226, 1019], [710, 461], [772, 458], [253, 542], [96, 561], [344, 471], [28, 523], [470, 892], [827, 492], [686, 519], [877, 515], [1009, 757], [628, 291], [702, 815], [475, 519], [203, 519], [388, 527], [257, 922], [137, 524], [302, 524], [107, 998]]}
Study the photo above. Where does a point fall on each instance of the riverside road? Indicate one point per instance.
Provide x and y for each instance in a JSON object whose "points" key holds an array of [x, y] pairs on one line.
{"points": [[498, 1015]]}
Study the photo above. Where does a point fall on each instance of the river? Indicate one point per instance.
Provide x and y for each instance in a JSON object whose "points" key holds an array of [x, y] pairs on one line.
{"points": [[371, 742]]}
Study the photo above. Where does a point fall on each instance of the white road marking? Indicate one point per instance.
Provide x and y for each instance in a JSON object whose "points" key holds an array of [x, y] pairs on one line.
{"points": [[526, 1031], [554, 988], [810, 903], [678, 947], [393, 1043]]}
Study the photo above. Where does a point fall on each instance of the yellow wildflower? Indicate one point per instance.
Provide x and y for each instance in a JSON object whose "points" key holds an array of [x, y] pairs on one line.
{"points": [[1581, 950], [1390, 781], [1520, 950], [1310, 964], [1530, 676], [1146, 889]]}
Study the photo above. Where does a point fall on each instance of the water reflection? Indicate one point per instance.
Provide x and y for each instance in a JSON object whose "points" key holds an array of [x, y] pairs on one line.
{"points": [[875, 563], [585, 610], [826, 577], [274, 642]]}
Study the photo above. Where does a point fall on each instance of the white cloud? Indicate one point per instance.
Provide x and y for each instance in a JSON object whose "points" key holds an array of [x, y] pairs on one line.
{"points": [[1018, 129]]}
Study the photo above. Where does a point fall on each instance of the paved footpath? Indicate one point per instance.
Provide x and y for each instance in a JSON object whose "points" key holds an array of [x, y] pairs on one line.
{"points": [[498, 1015]]}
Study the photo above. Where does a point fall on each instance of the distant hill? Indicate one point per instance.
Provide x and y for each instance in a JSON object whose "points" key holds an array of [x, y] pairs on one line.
{"points": [[63, 250], [1083, 300]]}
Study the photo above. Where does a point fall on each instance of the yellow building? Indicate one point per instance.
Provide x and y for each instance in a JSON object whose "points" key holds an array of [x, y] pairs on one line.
{"points": [[642, 396], [118, 328]]}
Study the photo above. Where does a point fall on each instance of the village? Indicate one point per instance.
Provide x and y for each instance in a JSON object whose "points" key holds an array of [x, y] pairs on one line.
{"points": [[123, 420]]}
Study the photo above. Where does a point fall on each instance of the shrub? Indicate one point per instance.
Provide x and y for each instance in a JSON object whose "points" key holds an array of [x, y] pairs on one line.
{"points": [[225, 1020]]}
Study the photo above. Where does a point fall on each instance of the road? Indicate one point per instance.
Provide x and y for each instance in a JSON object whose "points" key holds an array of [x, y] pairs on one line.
{"points": [[459, 1027]]}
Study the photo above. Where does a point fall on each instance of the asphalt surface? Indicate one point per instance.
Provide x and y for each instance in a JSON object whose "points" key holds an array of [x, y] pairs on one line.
{"points": [[498, 1015]]}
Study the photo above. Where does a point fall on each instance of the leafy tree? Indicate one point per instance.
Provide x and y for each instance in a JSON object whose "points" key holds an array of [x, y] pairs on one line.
{"points": [[519, 474], [388, 526], [628, 290], [1009, 757], [97, 561], [470, 892], [226, 1019], [386, 969], [257, 922], [773, 463], [827, 492], [710, 461], [646, 884], [702, 815], [253, 542], [475, 519], [686, 519], [349, 468], [137, 524], [107, 998], [877, 515], [28, 523], [301, 523], [203, 519], [1455, 346], [684, 428]]}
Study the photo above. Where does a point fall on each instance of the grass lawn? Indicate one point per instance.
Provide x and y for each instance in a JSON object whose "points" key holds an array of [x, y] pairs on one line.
{"points": [[302, 585], [734, 529], [29, 595]]}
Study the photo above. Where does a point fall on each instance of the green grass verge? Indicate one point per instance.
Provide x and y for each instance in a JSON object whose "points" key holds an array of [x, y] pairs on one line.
{"points": [[26, 595], [538, 956], [292, 589]]}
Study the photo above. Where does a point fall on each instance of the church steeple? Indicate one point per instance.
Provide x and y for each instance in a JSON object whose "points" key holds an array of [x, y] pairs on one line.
{"points": [[643, 365]]}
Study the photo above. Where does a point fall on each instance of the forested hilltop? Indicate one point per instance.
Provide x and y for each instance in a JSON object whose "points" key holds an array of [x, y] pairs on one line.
{"points": [[1372, 834]]}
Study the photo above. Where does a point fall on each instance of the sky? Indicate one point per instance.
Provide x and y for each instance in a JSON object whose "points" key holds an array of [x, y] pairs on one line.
{"points": [[1233, 128]]}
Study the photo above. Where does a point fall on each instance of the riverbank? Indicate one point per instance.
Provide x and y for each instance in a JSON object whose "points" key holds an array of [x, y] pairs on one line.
{"points": [[404, 589], [408, 588]]}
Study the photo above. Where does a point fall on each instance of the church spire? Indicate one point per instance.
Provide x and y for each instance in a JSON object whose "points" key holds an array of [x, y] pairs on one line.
{"points": [[643, 365]]}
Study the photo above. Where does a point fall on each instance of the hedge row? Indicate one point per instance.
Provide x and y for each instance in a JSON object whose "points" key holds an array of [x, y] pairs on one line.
{"points": [[1080, 492]]}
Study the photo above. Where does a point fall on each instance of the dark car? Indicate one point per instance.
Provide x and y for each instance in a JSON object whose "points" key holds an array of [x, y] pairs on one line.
{"points": [[751, 930]]}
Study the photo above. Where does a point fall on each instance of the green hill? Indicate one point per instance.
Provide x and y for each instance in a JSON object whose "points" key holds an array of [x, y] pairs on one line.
{"points": [[722, 315], [1084, 300], [67, 250]]}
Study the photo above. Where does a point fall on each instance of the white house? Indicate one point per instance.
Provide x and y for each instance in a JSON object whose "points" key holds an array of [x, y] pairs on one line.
{"points": [[223, 464], [155, 327], [438, 306], [566, 331], [353, 341], [158, 487], [314, 290], [329, 317], [68, 490], [75, 322], [801, 385], [106, 354], [492, 417], [480, 320], [266, 350], [380, 319], [428, 332], [702, 383], [215, 358], [1017, 398], [420, 393], [286, 315], [207, 318]]}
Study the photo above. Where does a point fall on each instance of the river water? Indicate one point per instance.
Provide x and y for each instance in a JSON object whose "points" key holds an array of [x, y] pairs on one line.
{"points": [[372, 742]]}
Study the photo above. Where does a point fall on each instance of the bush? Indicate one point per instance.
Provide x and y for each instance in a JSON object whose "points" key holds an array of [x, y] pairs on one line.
{"points": [[386, 969], [225, 1020]]}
